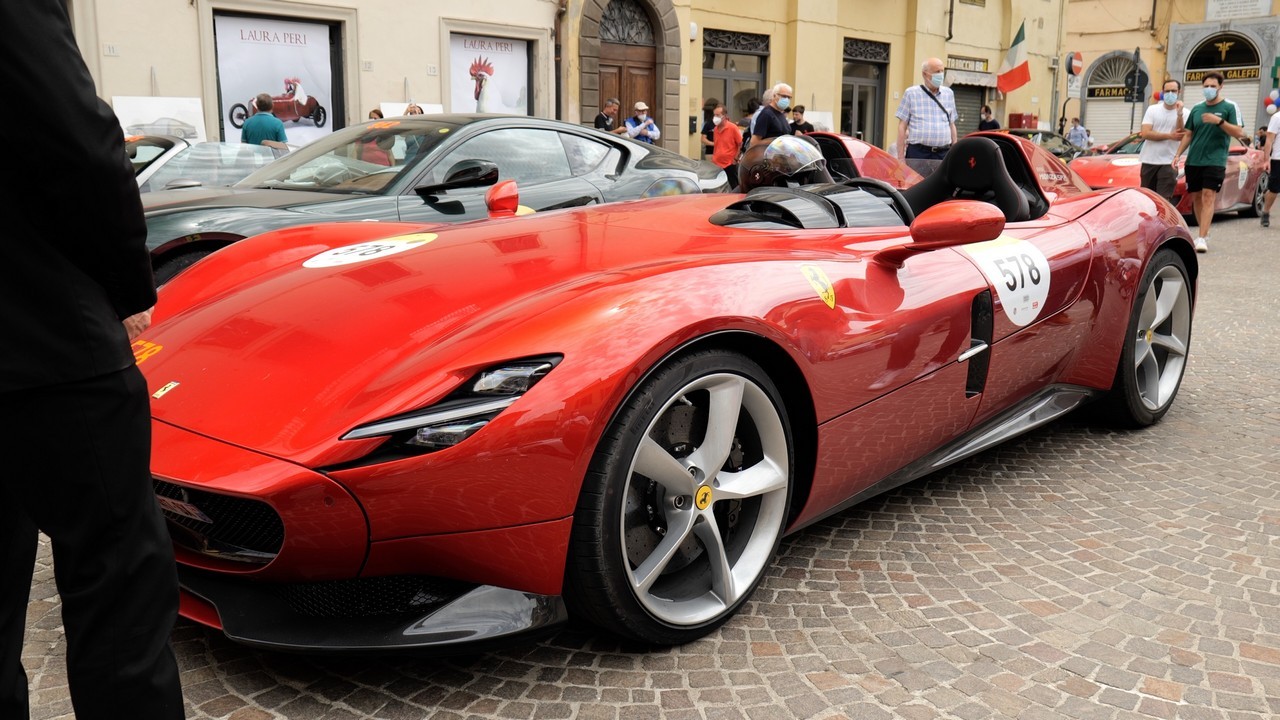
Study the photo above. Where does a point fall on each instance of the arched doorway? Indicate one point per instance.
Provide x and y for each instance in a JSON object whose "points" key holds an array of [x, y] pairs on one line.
{"points": [[628, 58], [1236, 57], [1105, 111], [601, 65]]}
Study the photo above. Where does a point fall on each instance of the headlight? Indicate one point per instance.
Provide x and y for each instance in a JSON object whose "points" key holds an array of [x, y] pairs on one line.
{"points": [[461, 414]]}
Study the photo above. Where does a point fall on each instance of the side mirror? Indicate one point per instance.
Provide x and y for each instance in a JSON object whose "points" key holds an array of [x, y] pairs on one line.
{"points": [[947, 224], [502, 199], [467, 173]]}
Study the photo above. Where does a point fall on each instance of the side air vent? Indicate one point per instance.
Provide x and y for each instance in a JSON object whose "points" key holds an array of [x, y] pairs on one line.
{"points": [[979, 353]]}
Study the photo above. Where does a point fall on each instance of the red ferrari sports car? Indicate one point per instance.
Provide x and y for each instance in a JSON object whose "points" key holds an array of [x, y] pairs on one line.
{"points": [[1243, 189], [386, 435]]}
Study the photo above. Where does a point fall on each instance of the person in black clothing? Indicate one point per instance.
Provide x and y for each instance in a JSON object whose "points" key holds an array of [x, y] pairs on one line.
{"points": [[608, 114], [772, 120], [75, 423], [988, 121], [798, 125]]}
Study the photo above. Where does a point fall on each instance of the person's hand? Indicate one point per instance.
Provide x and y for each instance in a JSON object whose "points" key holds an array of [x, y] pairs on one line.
{"points": [[1204, 118], [135, 324], [1178, 106], [1178, 134]]}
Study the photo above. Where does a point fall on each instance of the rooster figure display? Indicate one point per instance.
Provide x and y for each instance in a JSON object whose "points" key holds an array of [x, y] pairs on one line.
{"points": [[481, 71]]}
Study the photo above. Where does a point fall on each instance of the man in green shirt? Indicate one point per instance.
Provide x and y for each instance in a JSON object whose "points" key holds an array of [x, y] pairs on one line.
{"points": [[1210, 128]]}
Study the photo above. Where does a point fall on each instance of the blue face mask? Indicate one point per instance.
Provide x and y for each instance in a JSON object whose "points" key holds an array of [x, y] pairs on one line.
{"points": [[1210, 93], [784, 103], [937, 79], [1169, 98]]}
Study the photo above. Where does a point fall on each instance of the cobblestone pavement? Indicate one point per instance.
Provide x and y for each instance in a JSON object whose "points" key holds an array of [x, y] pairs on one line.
{"points": [[1075, 573]]}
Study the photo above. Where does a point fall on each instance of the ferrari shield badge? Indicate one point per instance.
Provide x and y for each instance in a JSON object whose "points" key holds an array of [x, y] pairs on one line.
{"points": [[820, 283], [1018, 272], [365, 251]]}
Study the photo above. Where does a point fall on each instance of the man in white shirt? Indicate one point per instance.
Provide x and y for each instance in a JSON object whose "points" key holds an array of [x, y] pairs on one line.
{"points": [[1162, 130], [1272, 150]]}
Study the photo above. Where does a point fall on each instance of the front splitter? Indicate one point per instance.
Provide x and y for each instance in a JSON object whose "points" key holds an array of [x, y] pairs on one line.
{"points": [[476, 620]]}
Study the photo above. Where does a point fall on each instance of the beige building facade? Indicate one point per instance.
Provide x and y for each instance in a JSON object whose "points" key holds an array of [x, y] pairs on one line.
{"points": [[1178, 39], [848, 60]]}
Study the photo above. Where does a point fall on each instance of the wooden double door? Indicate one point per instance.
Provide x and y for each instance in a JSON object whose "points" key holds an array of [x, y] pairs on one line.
{"points": [[628, 73]]}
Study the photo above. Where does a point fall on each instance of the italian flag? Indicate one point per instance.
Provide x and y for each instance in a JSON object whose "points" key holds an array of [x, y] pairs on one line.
{"points": [[1015, 72]]}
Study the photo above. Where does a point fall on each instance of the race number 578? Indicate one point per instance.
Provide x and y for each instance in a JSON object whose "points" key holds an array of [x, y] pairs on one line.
{"points": [[1018, 272]]}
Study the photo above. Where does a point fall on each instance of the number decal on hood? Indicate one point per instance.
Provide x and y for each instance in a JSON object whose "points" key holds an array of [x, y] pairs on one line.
{"points": [[365, 251]]}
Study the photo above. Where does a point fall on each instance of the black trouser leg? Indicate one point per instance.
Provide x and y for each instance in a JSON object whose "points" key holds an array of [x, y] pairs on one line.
{"points": [[78, 458]]}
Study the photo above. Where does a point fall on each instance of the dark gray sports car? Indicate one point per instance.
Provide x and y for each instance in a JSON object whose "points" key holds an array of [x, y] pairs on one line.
{"points": [[427, 168]]}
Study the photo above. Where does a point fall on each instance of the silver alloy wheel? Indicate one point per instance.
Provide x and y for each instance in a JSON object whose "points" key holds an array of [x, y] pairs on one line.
{"points": [[1163, 334], [696, 536], [1260, 194]]}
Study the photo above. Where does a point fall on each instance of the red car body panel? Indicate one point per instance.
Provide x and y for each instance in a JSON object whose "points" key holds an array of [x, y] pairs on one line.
{"points": [[274, 362], [869, 160], [1246, 167]]}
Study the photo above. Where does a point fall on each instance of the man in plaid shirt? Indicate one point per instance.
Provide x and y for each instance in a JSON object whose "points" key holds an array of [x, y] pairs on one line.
{"points": [[927, 119]]}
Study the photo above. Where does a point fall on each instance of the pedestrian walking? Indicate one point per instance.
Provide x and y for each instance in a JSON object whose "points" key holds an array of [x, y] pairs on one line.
{"points": [[1163, 125], [1271, 149], [1210, 125], [727, 143]]}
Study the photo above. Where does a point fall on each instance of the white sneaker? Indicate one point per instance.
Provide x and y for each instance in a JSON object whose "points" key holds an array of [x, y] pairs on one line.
{"points": [[1202, 245]]}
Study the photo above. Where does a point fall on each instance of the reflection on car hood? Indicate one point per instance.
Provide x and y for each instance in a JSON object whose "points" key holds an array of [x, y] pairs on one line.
{"points": [[166, 201]]}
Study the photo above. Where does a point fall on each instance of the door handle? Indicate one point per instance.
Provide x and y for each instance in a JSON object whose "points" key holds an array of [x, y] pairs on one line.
{"points": [[977, 347]]}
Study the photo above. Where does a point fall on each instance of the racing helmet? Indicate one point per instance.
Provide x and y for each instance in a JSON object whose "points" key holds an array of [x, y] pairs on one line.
{"points": [[787, 160]]}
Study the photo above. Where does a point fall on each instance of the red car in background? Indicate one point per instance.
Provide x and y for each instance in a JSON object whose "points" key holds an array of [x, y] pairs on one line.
{"points": [[402, 435], [848, 158], [1243, 188]]}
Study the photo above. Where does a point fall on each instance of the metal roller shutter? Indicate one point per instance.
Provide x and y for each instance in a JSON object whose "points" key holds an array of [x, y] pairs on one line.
{"points": [[969, 106], [1108, 120], [1245, 95]]}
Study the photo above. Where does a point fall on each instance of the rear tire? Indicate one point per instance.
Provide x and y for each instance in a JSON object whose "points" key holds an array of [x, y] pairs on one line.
{"points": [[1156, 343], [319, 116], [684, 503], [169, 268], [1259, 198]]}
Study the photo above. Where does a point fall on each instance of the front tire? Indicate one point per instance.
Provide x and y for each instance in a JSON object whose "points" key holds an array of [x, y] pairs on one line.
{"points": [[1154, 357], [238, 114], [684, 503], [319, 116]]}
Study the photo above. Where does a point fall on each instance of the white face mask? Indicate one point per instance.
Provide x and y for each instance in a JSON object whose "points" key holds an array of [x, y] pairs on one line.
{"points": [[716, 120], [642, 117], [937, 79]]}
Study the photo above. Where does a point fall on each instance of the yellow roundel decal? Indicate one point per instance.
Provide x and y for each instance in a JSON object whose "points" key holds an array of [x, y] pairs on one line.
{"points": [[820, 283], [703, 497], [365, 251]]}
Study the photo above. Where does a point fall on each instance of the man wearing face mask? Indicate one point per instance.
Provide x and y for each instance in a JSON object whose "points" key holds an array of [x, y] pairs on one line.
{"points": [[642, 127], [1162, 128], [927, 119], [1210, 127], [772, 120], [726, 144]]}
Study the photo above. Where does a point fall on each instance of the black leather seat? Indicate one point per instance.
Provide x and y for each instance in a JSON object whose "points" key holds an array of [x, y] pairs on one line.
{"points": [[973, 169]]}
